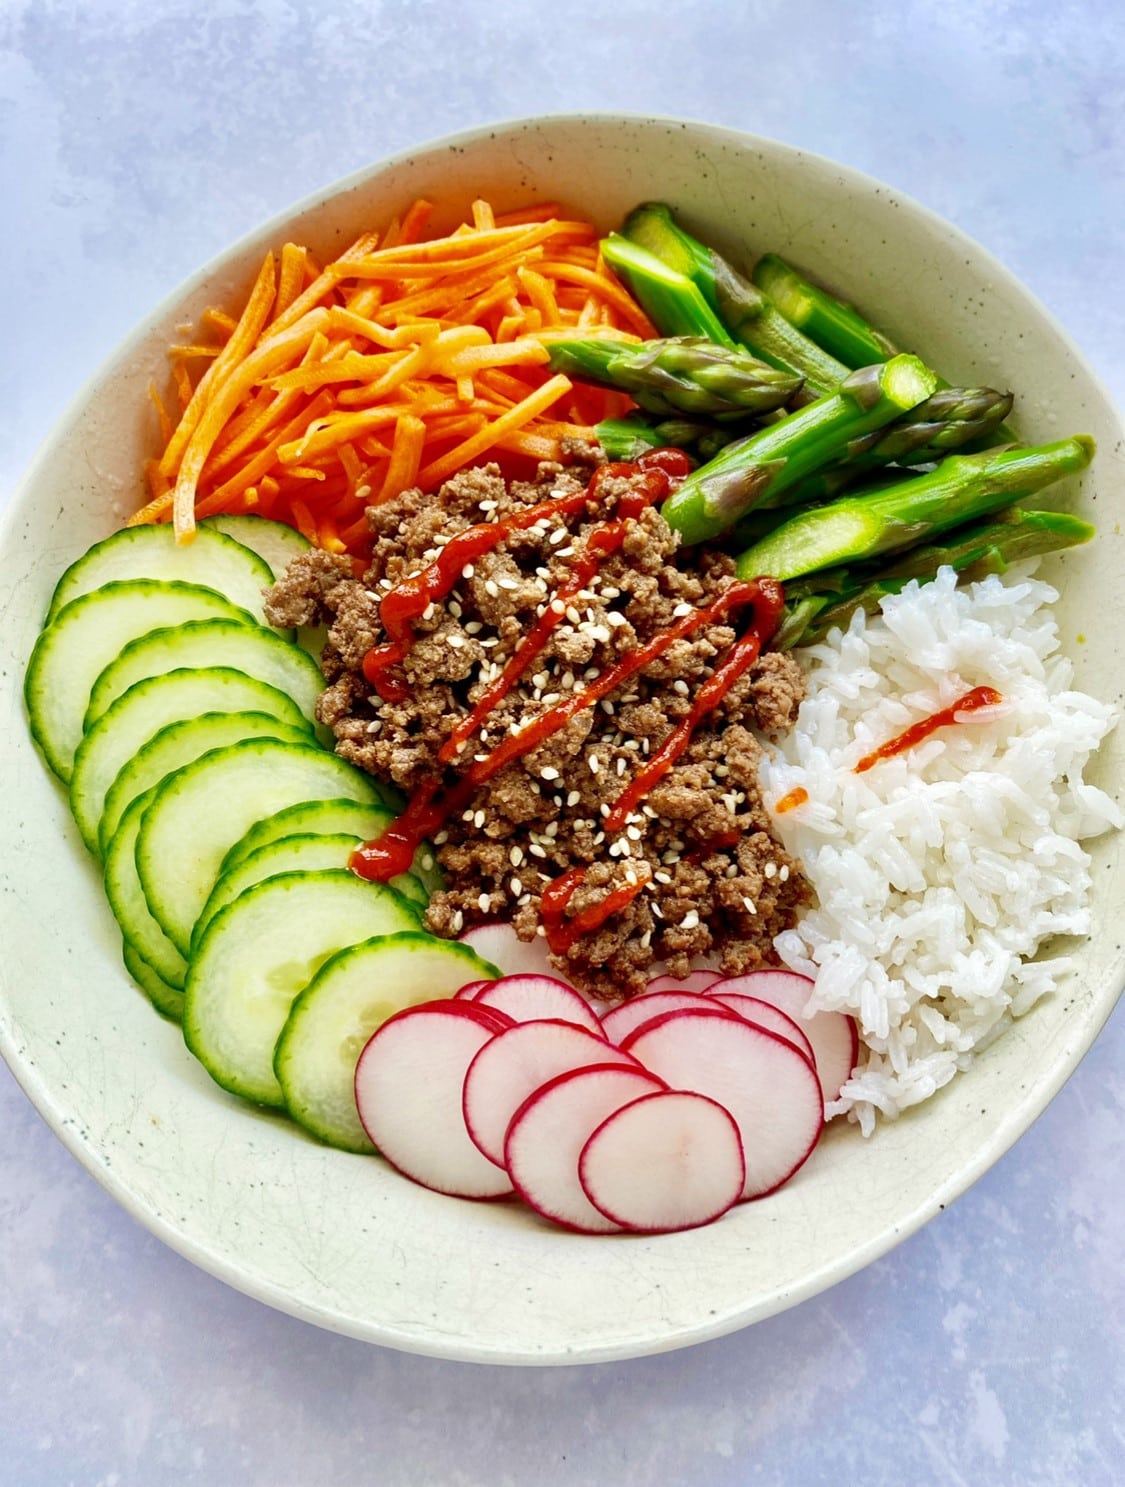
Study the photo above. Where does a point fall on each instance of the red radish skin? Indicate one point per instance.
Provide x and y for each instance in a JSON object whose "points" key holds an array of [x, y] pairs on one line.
{"points": [[621, 1020], [527, 998], [468, 992], [408, 1084], [769, 1088], [697, 981], [833, 1035], [766, 1015], [549, 1130], [515, 1063], [666, 1162], [500, 945]]}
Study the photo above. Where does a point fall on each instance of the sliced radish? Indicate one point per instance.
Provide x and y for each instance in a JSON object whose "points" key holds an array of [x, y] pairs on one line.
{"points": [[694, 981], [500, 944], [621, 1020], [769, 1088], [551, 1127], [408, 1084], [527, 998], [468, 992], [833, 1035], [766, 1015], [518, 1061], [668, 1161]]}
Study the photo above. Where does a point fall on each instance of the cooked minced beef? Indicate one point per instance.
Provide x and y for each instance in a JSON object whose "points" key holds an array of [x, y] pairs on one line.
{"points": [[543, 813]]}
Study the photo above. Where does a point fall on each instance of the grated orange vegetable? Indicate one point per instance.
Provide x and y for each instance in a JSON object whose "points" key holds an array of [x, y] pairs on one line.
{"points": [[398, 363]]}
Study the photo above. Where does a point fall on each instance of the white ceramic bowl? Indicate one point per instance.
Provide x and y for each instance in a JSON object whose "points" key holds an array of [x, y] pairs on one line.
{"points": [[343, 1241]]}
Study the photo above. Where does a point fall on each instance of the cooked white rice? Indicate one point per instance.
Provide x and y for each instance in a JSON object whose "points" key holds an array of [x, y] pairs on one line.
{"points": [[939, 872]]}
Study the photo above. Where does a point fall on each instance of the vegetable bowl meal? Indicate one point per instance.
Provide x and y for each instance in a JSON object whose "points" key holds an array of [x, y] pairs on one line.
{"points": [[577, 715]]}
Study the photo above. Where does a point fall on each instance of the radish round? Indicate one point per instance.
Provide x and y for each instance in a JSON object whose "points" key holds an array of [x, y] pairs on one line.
{"points": [[500, 944], [528, 998], [766, 1015], [468, 992], [516, 1062], [769, 1088], [551, 1127], [697, 981], [833, 1035], [408, 1084], [668, 1161], [621, 1020]]}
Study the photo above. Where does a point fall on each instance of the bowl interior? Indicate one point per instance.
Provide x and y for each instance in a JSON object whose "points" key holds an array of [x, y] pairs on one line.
{"points": [[342, 1241]]}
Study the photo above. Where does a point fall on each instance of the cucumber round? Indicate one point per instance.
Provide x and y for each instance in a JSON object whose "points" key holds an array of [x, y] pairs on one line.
{"points": [[139, 929], [86, 635], [213, 559], [204, 808], [168, 1000], [179, 744], [259, 952], [351, 996], [274, 542], [258, 652], [320, 816], [149, 706], [307, 853]]}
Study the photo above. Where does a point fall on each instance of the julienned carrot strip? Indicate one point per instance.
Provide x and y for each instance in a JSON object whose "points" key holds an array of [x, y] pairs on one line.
{"points": [[392, 338], [604, 289], [483, 216], [161, 412], [541, 213], [291, 279], [472, 359], [332, 430], [272, 352], [182, 383], [219, 323], [406, 455], [539, 401], [325, 281], [415, 222], [304, 518], [242, 338]]}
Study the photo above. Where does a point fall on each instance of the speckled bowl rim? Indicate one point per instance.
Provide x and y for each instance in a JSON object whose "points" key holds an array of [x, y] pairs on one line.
{"points": [[460, 1336]]}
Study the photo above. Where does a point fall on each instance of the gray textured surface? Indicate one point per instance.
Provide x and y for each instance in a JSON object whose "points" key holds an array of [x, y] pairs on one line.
{"points": [[136, 139]]}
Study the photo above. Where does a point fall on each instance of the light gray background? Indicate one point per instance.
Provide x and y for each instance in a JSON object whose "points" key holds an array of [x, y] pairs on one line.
{"points": [[137, 138]]}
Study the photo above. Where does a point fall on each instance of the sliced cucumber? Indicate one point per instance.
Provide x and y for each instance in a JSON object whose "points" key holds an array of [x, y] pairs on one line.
{"points": [[274, 542], [351, 995], [151, 705], [123, 890], [180, 744], [168, 1000], [207, 806], [320, 816], [258, 652], [86, 635], [213, 560], [307, 853], [263, 949]]}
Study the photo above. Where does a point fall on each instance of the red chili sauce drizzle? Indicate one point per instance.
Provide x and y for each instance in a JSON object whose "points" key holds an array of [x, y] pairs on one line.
{"points": [[432, 804], [972, 701]]}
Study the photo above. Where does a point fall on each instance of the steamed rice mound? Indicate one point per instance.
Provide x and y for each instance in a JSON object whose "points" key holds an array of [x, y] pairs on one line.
{"points": [[940, 872]]}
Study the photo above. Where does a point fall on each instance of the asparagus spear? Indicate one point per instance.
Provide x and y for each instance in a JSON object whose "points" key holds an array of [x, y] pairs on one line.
{"points": [[831, 323], [671, 300], [875, 522], [627, 438], [682, 374], [952, 418], [816, 604], [747, 314], [757, 471]]}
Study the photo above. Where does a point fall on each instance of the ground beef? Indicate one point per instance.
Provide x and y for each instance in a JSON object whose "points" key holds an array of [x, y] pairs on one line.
{"points": [[717, 885]]}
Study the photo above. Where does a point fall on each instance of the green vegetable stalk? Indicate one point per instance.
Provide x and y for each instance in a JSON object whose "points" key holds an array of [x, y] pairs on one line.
{"points": [[756, 472], [744, 311], [828, 599], [872, 523], [682, 374], [833, 325]]}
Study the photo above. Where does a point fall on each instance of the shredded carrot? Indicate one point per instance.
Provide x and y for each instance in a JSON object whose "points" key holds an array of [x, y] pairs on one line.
{"points": [[398, 363]]}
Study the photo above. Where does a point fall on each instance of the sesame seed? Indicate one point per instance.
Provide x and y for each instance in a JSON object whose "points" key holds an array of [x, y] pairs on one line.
{"points": [[770, 869], [458, 922], [599, 838], [428, 612], [491, 588], [633, 833], [749, 904], [524, 900], [455, 609], [479, 758], [646, 939], [622, 765], [681, 611], [614, 618], [595, 763], [690, 920], [478, 820], [515, 856], [474, 627], [662, 878], [456, 642], [484, 903], [441, 838], [607, 706], [467, 571], [566, 552], [657, 910], [516, 887], [614, 848], [573, 798], [488, 505], [539, 930], [548, 772], [467, 816], [783, 875], [509, 584], [557, 606], [604, 808], [680, 686], [573, 615], [536, 850], [560, 534]]}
